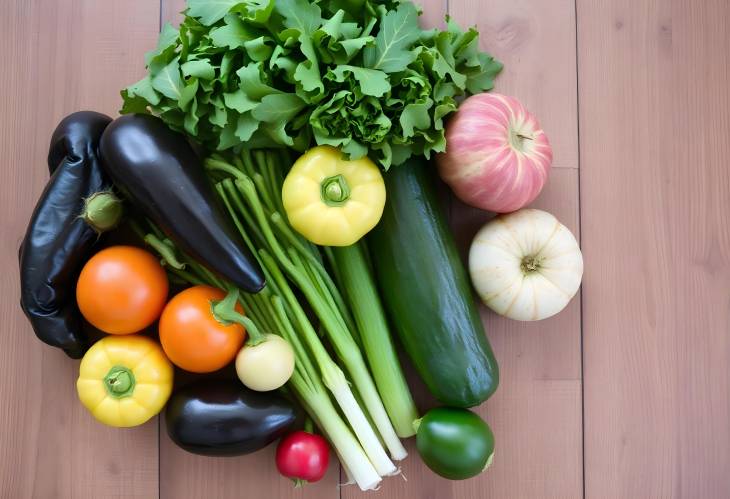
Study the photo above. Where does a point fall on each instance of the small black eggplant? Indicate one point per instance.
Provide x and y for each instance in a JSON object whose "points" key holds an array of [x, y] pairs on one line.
{"points": [[224, 418], [76, 205], [159, 172]]}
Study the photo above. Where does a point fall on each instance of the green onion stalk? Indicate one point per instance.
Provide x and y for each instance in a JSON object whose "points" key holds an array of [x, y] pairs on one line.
{"points": [[252, 193], [355, 279]]}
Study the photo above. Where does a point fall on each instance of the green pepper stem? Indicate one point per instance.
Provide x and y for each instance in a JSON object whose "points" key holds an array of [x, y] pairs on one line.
{"points": [[225, 312], [335, 190], [119, 382]]}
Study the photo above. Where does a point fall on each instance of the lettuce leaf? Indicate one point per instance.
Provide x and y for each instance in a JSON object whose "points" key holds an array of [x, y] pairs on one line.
{"points": [[357, 74]]}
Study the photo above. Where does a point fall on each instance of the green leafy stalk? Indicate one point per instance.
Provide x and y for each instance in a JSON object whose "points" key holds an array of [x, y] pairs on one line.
{"points": [[357, 281]]}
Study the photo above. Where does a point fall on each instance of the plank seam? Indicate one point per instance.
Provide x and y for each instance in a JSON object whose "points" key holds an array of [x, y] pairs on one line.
{"points": [[159, 424], [580, 240]]}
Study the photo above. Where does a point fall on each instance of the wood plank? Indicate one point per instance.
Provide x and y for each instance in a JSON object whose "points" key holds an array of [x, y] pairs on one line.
{"points": [[536, 43], [65, 55], [172, 11], [655, 204], [536, 413], [184, 475]]}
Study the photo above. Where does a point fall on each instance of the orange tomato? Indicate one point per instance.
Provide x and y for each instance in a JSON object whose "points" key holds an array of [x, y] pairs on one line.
{"points": [[192, 337], [122, 290]]}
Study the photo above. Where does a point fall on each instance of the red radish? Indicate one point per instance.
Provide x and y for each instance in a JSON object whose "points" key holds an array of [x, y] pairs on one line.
{"points": [[303, 457], [497, 157]]}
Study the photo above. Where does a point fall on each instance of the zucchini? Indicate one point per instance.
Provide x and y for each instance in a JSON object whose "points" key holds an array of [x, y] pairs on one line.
{"points": [[427, 293]]}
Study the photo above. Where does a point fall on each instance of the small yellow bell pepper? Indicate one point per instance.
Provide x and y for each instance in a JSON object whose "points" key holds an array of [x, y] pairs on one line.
{"points": [[124, 380], [332, 201]]}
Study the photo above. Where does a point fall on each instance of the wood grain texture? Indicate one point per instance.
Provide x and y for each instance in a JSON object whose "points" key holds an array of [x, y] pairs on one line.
{"points": [[655, 206], [65, 55], [171, 11], [536, 42], [536, 414]]}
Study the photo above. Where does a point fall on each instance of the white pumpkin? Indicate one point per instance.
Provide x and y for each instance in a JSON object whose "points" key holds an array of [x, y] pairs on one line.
{"points": [[526, 265]]}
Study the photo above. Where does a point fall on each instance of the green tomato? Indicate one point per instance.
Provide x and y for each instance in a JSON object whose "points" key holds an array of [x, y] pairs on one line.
{"points": [[454, 443]]}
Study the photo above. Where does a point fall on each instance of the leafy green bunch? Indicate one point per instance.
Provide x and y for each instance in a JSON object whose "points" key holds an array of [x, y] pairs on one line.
{"points": [[356, 74]]}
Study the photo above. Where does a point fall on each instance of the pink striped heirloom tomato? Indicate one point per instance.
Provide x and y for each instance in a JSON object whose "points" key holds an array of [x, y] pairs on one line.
{"points": [[497, 157]]}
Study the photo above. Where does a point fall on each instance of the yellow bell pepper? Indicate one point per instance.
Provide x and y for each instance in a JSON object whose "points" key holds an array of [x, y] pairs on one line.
{"points": [[124, 380], [332, 201]]}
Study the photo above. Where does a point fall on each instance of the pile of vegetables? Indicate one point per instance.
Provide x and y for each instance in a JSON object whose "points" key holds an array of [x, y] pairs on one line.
{"points": [[271, 177]]}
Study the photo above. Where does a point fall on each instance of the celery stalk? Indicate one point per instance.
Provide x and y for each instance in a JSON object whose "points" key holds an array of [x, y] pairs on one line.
{"points": [[360, 291]]}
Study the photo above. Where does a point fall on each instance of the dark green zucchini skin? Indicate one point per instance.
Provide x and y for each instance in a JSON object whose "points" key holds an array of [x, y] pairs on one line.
{"points": [[427, 292]]}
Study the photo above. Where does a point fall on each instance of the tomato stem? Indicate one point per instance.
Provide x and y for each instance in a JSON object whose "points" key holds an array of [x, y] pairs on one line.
{"points": [[225, 313], [166, 250]]}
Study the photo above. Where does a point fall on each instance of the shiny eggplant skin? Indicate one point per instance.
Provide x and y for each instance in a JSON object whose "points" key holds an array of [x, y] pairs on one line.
{"points": [[427, 292], [158, 171], [57, 242], [224, 418]]}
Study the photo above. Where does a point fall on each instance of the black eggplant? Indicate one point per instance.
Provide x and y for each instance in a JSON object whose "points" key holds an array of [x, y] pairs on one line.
{"points": [[58, 241], [157, 169], [224, 418]]}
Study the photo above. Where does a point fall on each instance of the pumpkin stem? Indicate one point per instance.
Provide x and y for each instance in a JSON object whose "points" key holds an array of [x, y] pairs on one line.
{"points": [[530, 264]]}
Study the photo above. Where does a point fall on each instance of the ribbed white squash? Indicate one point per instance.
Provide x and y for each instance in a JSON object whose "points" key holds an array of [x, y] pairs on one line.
{"points": [[526, 265]]}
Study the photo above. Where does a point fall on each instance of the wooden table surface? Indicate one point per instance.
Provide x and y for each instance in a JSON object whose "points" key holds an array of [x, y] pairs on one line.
{"points": [[625, 394]]}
